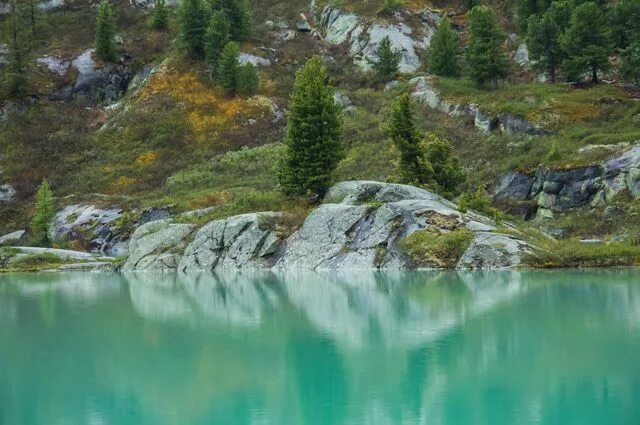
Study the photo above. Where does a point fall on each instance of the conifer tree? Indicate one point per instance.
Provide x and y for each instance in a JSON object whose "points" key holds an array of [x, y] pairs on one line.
{"points": [[314, 131], [193, 26], [625, 23], [160, 14], [401, 129], [239, 17], [561, 11], [527, 8], [631, 63], [216, 37], [444, 51], [44, 212], [447, 173], [228, 67], [386, 65], [586, 42], [543, 40], [105, 31], [485, 56], [16, 75], [248, 79]]}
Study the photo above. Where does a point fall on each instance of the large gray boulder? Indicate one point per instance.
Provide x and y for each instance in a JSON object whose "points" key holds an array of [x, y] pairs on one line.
{"points": [[158, 245], [493, 251], [247, 241], [13, 237]]}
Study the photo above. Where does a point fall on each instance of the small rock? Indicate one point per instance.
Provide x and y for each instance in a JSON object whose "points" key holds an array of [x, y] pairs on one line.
{"points": [[253, 59], [391, 85], [521, 56], [55, 64], [7, 193], [341, 99]]}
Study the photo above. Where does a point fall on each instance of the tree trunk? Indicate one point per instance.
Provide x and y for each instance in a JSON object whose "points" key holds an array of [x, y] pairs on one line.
{"points": [[594, 75], [552, 74]]}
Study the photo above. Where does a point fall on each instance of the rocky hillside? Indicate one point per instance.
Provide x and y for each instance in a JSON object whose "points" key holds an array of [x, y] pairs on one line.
{"points": [[148, 137]]}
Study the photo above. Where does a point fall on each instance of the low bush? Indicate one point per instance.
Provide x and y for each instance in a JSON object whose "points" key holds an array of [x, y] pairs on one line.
{"points": [[430, 249]]}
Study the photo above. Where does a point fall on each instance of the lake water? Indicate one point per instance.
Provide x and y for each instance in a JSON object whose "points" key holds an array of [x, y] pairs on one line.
{"points": [[441, 348]]}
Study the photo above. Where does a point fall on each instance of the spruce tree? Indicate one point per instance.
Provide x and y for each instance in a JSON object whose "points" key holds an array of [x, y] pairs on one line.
{"points": [[527, 8], [193, 26], [105, 31], [228, 67], [160, 14], [44, 212], [625, 23], [386, 65], [485, 56], [444, 51], [314, 130], [543, 40], [239, 17], [561, 12], [248, 79], [216, 37], [630, 68], [447, 173], [16, 68], [586, 42], [401, 129]]}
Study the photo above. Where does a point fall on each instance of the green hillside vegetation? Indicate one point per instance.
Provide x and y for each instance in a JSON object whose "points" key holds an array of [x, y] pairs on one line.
{"points": [[193, 136]]}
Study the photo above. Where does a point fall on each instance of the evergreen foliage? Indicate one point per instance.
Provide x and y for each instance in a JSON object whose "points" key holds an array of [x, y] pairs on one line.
{"points": [[16, 69], [386, 66], [543, 40], [586, 42], [447, 173], [485, 57], [248, 79], [193, 26], [313, 146], [216, 37], [444, 51], [625, 23], [105, 31], [160, 14], [401, 129], [527, 8], [239, 16], [561, 12], [44, 212], [630, 68], [228, 67]]}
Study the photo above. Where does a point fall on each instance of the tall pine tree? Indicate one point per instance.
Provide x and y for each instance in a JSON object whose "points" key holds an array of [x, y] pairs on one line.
{"points": [[543, 40], [444, 51], [586, 42], [193, 26], [228, 67], [239, 16], [527, 8], [16, 68], [248, 79], [485, 56], [160, 14], [386, 65], [630, 68], [401, 129], [44, 212], [313, 146], [105, 31], [216, 37]]}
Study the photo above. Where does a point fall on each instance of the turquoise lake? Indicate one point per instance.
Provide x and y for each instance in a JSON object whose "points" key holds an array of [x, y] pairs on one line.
{"points": [[374, 348]]}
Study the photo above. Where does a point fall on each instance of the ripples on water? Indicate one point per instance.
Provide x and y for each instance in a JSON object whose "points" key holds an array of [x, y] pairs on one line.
{"points": [[447, 348]]}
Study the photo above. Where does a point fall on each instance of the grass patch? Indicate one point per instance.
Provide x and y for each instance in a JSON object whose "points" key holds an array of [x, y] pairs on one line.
{"points": [[426, 248], [573, 253]]}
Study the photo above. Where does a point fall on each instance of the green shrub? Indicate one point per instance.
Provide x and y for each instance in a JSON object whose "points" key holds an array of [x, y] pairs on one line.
{"points": [[427, 248], [44, 212], [573, 253]]}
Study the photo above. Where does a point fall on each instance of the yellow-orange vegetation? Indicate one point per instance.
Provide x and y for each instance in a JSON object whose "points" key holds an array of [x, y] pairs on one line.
{"points": [[208, 109]]}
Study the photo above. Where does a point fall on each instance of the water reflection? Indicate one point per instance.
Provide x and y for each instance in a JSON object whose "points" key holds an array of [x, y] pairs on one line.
{"points": [[319, 348]]}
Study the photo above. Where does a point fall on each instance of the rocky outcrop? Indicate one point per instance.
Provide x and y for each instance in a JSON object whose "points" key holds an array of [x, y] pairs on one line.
{"points": [[361, 225], [57, 259], [158, 245], [562, 190], [248, 241], [510, 124], [7, 193], [13, 238], [363, 38]]}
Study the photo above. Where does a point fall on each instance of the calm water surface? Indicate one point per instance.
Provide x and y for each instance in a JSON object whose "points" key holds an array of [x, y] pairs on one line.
{"points": [[559, 347]]}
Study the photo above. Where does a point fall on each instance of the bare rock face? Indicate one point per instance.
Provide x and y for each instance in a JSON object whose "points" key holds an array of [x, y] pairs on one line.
{"points": [[248, 241], [562, 190], [361, 225], [157, 245]]}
